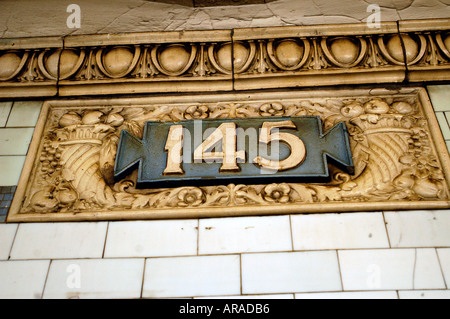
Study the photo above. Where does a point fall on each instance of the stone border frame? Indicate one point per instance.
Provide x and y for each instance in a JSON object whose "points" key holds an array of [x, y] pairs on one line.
{"points": [[439, 148]]}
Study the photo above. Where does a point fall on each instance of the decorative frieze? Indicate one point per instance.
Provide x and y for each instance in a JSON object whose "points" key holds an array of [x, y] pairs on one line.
{"points": [[240, 59], [400, 159]]}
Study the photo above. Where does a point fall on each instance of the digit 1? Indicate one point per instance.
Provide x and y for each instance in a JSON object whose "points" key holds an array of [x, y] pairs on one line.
{"points": [[226, 133], [174, 149]]}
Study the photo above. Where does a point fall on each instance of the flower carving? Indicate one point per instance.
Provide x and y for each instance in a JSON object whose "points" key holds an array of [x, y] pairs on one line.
{"points": [[278, 193], [190, 196], [271, 109], [195, 112]]}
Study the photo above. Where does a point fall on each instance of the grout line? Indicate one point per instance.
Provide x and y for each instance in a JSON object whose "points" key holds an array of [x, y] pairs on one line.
{"points": [[446, 117], [447, 285], [198, 237], [143, 277], [46, 278], [15, 127], [240, 273], [292, 234], [228, 254], [414, 270], [14, 240], [9, 114], [106, 238], [387, 232], [339, 267]]}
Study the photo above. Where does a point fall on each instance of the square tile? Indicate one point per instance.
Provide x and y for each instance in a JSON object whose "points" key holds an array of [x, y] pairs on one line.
{"points": [[23, 279], [5, 108], [390, 269], [95, 278], [443, 124], [15, 141], [444, 258], [424, 294], [7, 233], [359, 295], [59, 240], [290, 272], [418, 228], [11, 169], [339, 231], [152, 238], [440, 97], [192, 276], [24, 114], [244, 234]]}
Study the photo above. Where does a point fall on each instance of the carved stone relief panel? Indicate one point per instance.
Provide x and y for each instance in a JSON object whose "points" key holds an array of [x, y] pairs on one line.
{"points": [[400, 159]]}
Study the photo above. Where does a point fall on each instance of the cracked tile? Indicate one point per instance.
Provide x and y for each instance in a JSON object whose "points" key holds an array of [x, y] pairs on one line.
{"points": [[418, 228], [391, 269]]}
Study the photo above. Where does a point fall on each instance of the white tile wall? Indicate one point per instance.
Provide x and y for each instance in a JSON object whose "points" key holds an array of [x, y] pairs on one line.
{"points": [[350, 295], [419, 228], [244, 234], [339, 231], [59, 240], [23, 279], [7, 233], [152, 238], [290, 272], [95, 278], [338, 256], [390, 269], [192, 276]]}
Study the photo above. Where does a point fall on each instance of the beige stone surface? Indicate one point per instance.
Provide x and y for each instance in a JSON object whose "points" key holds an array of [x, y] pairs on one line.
{"points": [[43, 18]]}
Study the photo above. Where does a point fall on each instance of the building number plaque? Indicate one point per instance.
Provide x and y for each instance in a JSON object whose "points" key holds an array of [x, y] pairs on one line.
{"points": [[218, 151]]}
